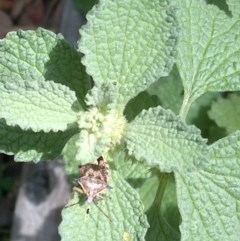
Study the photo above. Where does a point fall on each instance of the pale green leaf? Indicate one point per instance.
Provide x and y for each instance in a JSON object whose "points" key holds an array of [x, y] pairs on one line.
{"points": [[169, 91], [164, 215], [226, 112], [32, 146], [42, 55], [89, 147], [198, 110], [69, 156], [137, 174], [209, 199], [129, 43], [38, 105], [142, 101], [234, 7], [162, 139], [127, 166], [198, 116], [148, 191], [221, 4], [118, 217], [85, 5], [209, 49], [81, 149]]}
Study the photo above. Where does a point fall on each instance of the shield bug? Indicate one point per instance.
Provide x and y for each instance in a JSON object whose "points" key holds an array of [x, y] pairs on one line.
{"points": [[93, 180]]}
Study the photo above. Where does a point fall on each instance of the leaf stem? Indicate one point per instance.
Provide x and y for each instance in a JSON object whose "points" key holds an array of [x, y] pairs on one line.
{"points": [[163, 178], [187, 102]]}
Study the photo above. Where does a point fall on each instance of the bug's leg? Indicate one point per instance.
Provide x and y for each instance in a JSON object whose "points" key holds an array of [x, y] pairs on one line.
{"points": [[100, 196], [78, 189], [75, 189]]}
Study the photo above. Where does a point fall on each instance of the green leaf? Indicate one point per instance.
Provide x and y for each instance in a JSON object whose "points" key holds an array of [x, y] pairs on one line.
{"points": [[42, 55], [234, 7], [142, 101], [69, 155], [32, 146], [209, 49], [169, 91], [129, 43], [226, 112], [162, 139], [198, 110], [85, 5], [198, 116], [209, 199], [221, 4], [127, 166], [38, 105], [119, 217], [164, 215], [148, 191]]}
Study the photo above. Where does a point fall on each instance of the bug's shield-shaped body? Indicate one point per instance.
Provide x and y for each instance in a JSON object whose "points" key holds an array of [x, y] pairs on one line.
{"points": [[93, 179], [92, 187]]}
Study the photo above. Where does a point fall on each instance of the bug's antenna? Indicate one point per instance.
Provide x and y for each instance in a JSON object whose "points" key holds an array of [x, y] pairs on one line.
{"points": [[101, 211]]}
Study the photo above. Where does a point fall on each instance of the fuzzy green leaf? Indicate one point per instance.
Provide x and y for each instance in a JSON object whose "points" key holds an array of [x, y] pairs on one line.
{"points": [[209, 49], [129, 43], [226, 112], [42, 55], [198, 110], [234, 7], [162, 139], [38, 105], [209, 199], [32, 146], [164, 215], [148, 191], [121, 216], [142, 101], [127, 166], [169, 91], [69, 156], [198, 116]]}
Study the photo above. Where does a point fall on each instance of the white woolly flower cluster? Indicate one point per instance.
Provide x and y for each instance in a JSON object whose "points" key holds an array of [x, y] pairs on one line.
{"points": [[100, 131]]}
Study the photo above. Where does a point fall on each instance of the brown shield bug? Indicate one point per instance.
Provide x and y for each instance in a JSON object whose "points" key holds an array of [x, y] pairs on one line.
{"points": [[93, 180]]}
